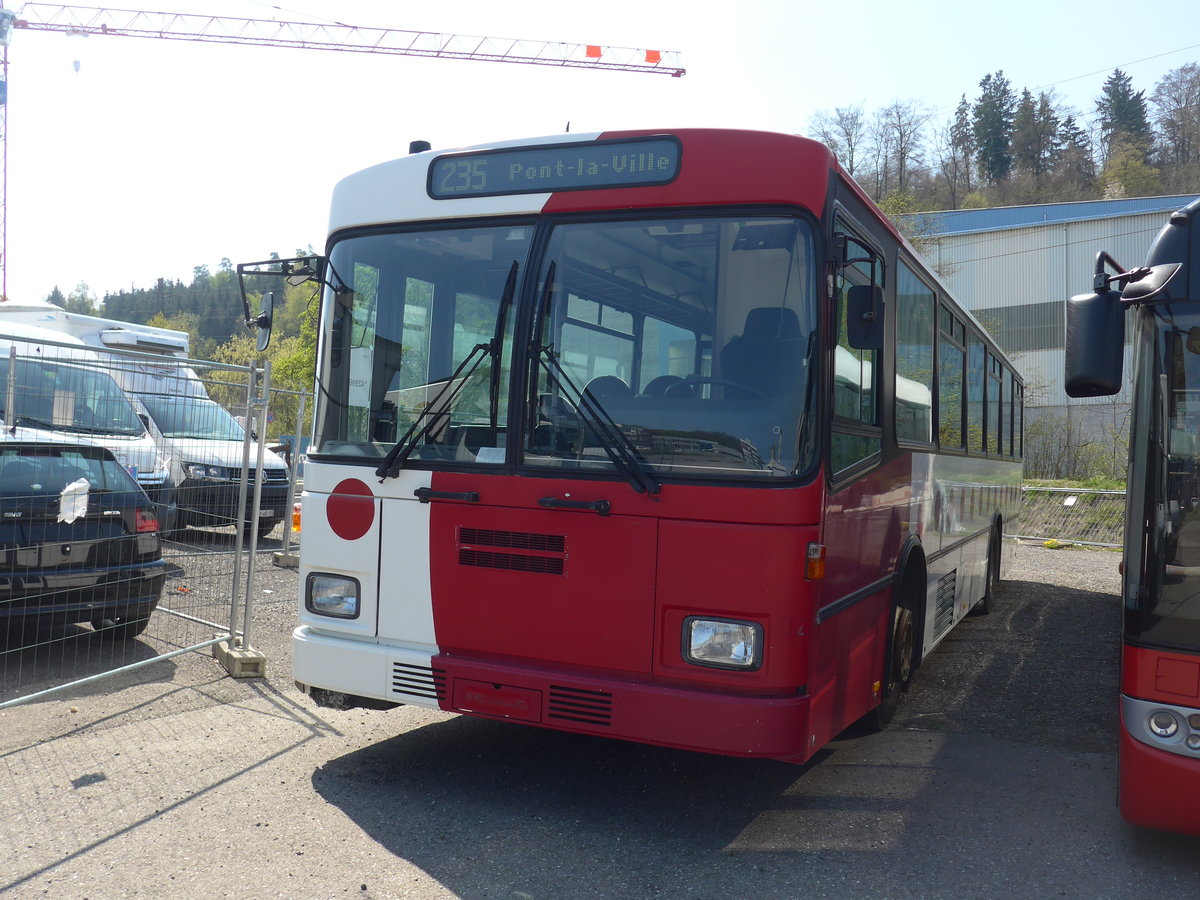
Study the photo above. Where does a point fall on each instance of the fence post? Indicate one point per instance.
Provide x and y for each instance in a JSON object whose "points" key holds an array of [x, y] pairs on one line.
{"points": [[235, 654], [285, 557]]}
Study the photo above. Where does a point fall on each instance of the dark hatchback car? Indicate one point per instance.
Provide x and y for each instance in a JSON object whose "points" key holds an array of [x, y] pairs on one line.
{"points": [[93, 555]]}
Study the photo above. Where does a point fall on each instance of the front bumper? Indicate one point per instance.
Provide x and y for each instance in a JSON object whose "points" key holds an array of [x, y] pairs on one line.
{"points": [[585, 703]]}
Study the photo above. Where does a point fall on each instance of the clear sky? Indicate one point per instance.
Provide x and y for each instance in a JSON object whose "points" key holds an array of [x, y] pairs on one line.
{"points": [[152, 157]]}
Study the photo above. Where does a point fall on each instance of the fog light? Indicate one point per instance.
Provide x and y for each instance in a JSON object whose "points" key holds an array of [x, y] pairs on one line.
{"points": [[1193, 742], [722, 643], [1163, 724], [331, 595]]}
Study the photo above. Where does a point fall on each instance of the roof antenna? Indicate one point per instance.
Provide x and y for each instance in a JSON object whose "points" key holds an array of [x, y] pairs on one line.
{"points": [[568, 131]]}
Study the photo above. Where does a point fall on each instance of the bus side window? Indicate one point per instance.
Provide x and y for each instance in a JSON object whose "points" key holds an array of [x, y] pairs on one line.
{"points": [[855, 436]]}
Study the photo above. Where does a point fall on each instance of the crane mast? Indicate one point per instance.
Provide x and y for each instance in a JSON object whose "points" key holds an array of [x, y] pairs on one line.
{"points": [[86, 20]]}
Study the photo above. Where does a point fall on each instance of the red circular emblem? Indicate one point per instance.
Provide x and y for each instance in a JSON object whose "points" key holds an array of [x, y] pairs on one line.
{"points": [[350, 509]]}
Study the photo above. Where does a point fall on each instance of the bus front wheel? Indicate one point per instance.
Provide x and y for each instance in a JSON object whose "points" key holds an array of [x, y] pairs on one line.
{"points": [[899, 670]]}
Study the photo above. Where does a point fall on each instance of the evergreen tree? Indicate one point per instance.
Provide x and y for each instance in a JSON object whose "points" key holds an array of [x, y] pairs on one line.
{"points": [[992, 120], [1075, 168], [1122, 117], [962, 142], [1035, 138], [57, 297]]}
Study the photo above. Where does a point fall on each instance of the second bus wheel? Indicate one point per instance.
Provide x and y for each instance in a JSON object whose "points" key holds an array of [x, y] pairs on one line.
{"points": [[992, 578]]}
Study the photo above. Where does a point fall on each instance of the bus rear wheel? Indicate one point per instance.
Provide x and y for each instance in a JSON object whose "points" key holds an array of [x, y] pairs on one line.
{"points": [[992, 578]]}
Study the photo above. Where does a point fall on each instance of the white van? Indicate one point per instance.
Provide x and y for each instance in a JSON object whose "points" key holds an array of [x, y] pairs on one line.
{"points": [[200, 442], [62, 393]]}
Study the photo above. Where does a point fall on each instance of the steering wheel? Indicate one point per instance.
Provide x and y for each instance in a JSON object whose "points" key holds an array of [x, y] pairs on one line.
{"points": [[688, 387]]}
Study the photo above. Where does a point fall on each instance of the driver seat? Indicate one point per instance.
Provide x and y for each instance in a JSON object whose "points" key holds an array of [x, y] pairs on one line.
{"points": [[766, 352]]}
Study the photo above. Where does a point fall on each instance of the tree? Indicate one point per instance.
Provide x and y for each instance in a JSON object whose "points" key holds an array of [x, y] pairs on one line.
{"points": [[1035, 142], [1122, 118], [962, 144], [57, 297], [1127, 174], [843, 132], [904, 122], [991, 121], [1176, 100], [1075, 169], [81, 300]]}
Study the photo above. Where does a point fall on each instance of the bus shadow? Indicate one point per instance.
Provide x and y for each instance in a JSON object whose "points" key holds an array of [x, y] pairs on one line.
{"points": [[989, 741], [1048, 655]]}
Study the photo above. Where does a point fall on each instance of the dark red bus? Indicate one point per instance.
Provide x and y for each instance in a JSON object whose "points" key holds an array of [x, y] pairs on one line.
{"points": [[665, 436], [1160, 663]]}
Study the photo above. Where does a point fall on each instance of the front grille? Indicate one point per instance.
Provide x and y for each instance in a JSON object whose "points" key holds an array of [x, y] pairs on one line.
{"points": [[418, 681], [512, 562], [270, 476], [517, 540], [579, 705]]}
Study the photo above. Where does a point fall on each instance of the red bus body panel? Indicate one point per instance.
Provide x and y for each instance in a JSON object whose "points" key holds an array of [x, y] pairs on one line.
{"points": [[1157, 789], [577, 626]]}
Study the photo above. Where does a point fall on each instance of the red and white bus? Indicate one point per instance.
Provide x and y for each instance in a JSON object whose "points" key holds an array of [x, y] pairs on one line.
{"points": [[665, 436], [1159, 768]]}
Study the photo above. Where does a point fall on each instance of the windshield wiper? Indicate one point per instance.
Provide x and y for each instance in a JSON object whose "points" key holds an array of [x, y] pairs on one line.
{"points": [[613, 441], [399, 454], [510, 288], [434, 410]]}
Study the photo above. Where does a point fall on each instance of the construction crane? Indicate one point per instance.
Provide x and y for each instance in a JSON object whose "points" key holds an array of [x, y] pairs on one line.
{"points": [[85, 20]]}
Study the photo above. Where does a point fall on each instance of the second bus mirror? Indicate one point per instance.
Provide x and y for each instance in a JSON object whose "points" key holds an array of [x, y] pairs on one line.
{"points": [[1095, 344], [263, 320], [864, 316]]}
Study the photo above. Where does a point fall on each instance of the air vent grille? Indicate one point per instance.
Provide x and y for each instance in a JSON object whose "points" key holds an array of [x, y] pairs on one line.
{"points": [[512, 562], [418, 681], [944, 605], [579, 705], [516, 540]]}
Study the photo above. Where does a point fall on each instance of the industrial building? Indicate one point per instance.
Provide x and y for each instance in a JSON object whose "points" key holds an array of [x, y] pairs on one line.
{"points": [[1014, 267]]}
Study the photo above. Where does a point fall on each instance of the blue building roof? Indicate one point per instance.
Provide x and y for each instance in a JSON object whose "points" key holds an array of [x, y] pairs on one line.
{"points": [[966, 221]]}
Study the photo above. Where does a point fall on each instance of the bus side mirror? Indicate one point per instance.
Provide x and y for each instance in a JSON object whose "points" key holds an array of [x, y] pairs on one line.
{"points": [[864, 316], [1095, 344], [263, 320]]}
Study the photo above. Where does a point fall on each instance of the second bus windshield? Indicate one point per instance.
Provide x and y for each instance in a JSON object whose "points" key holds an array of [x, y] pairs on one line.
{"points": [[686, 341]]}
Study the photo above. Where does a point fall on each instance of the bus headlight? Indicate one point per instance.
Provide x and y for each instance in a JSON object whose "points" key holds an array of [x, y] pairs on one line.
{"points": [[331, 595], [1163, 724], [722, 643]]}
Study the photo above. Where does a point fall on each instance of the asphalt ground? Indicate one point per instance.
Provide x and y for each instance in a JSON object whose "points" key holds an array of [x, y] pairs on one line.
{"points": [[996, 780]]}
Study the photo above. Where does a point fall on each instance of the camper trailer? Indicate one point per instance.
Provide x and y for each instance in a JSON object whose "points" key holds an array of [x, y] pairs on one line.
{"points": [[50, 384], [199, 440]]}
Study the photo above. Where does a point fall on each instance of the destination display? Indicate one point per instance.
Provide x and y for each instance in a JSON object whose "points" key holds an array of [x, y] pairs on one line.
{"points": [[562, 167]]}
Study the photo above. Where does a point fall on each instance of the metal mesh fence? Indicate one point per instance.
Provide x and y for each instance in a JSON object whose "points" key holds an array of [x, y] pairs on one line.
{"points": [[128, 525], [1072, 515]]}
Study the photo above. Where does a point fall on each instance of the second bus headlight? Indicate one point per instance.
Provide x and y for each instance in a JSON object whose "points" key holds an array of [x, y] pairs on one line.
{"points": [[722, 643], [331, 595]]}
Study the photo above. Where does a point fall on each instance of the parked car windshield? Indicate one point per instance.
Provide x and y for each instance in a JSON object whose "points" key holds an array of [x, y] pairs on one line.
{"points": [[49, 394], [192, 418]]}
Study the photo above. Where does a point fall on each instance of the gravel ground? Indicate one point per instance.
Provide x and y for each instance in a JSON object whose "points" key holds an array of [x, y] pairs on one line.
{"points": [[995, 781]]}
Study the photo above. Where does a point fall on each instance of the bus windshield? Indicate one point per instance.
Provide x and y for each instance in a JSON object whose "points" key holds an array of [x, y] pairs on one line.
{"points": [[1165, 482], [666, 345]]}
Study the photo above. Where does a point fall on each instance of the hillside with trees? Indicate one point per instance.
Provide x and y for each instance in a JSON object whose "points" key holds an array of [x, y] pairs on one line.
{"points": [[1004, 146]]}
